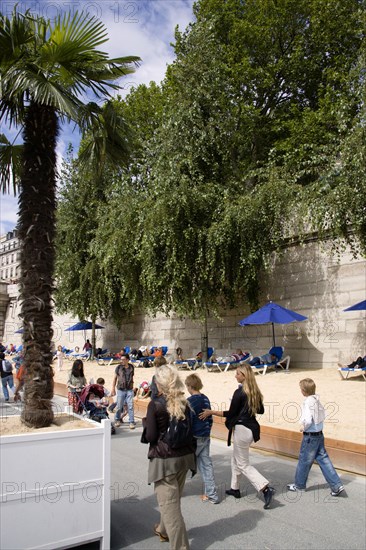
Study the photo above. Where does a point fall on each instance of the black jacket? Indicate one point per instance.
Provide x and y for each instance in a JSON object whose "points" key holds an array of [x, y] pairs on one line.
{"points": [[239, 414]]}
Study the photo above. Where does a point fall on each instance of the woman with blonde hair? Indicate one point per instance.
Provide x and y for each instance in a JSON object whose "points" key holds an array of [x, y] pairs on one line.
{"points": [[168, 466], [247, 401]]}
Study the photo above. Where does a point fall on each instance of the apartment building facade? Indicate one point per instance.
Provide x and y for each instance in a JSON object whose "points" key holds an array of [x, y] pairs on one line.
{"points": [[9, 257]]}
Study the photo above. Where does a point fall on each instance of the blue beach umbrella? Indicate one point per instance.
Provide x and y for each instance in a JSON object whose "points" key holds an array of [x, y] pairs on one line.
{"points": [[357, 307], [83, 325], [272, 313]]}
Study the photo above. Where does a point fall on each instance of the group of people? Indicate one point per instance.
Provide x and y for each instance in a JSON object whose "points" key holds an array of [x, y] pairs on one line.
{"points": [[169, 466], [10, 349], [9, 381]]}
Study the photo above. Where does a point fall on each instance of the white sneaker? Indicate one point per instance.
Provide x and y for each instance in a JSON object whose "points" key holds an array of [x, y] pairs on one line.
{"points": [[132, 426], [337, 492], [292, 487]]}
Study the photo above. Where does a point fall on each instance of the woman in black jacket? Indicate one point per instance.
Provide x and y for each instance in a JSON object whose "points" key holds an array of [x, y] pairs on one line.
{"points": [[247, 401], [168, 467]]}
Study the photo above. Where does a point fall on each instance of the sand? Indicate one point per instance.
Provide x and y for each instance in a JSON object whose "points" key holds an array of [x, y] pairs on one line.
{"points": [[344, 400], [11, 425]]}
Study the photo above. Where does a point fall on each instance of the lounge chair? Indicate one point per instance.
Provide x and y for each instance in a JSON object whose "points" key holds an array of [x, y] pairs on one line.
{"points": [[223, 366], [72, 355], [344, 372], [140, 362], [112, 359], [193, 363], [280, 362]]}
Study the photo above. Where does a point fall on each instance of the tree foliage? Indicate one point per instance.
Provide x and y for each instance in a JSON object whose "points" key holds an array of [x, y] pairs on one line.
{"points": [[256, 134]]}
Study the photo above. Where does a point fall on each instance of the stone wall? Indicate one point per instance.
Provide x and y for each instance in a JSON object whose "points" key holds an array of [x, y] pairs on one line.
{"points": [[307, 279]]}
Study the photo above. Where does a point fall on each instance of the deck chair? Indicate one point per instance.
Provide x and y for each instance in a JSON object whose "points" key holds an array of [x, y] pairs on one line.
{"points": [[280, 362], [72, 355], [344, 372], [108, 360], [140, 362], [193, 363], [223, 366]]}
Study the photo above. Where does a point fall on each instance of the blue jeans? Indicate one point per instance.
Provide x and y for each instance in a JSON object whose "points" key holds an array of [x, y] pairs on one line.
{"points": [[7, 380], [125, 396], [312, 448], [205, 467]]}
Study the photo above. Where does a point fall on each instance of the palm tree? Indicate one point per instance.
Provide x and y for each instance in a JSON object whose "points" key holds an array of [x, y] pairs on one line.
{"points": [[45, 70]]}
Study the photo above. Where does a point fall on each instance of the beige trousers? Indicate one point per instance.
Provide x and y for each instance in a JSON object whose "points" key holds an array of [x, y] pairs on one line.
{"points": [[169, 492], [243, 438]]}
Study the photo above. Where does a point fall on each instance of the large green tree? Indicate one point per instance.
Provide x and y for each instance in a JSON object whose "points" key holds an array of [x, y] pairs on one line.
{"points": [[45, 69], [251, 120], [97, 266]]}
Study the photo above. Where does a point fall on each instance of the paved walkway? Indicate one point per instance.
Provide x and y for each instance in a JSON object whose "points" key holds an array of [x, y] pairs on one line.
{"points": [[312, 520]]}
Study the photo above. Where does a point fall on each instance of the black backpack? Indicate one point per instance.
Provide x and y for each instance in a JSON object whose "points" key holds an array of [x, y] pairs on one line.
{"points": [[179, 433]]}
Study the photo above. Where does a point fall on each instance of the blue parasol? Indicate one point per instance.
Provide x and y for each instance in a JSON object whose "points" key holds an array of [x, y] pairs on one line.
{"points": [[83, 325], [357, 307], [272, 313]]}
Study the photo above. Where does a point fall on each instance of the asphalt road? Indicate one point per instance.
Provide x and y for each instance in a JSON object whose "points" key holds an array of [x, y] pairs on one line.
{"points": [[311, 520]]}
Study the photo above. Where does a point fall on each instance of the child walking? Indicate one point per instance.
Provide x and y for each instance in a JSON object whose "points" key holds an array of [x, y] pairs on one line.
{"points": [[60, 358], [312, 446], [201, 432]]}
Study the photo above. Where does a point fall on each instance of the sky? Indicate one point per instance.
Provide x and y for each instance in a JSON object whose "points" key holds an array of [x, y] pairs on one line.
{"points": [[138, 27]]}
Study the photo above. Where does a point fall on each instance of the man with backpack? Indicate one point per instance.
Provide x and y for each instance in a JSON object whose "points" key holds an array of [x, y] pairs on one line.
{"points": [[123, 378], [6, 372]]}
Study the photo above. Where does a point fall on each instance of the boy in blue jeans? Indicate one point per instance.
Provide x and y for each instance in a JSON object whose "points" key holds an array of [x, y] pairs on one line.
{"points": [[312, 446], [201, 432]]}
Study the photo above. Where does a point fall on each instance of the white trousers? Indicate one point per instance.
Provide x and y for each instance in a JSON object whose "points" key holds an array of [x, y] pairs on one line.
{"points": [[243, 438]]}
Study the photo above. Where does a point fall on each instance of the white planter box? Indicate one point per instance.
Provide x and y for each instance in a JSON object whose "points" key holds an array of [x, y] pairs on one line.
{"points": [[55, 488]]}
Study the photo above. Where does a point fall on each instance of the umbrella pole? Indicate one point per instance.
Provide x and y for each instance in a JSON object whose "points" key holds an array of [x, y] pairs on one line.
{"points": [[273, 335]]}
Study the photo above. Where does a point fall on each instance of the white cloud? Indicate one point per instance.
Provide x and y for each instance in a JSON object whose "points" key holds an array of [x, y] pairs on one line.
{"points": [[8, 213]]}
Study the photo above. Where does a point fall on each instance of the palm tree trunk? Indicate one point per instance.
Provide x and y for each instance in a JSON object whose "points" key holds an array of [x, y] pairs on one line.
{"points": [[36, 226]]}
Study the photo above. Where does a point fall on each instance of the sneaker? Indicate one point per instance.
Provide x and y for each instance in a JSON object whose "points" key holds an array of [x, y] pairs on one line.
{"points": [[117, 424], [337, 492], [292, 487], [268, 494], [233, 493], [132, 426]]}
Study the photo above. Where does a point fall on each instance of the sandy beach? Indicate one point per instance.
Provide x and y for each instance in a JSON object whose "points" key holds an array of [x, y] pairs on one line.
{"points": [[344, 400]]}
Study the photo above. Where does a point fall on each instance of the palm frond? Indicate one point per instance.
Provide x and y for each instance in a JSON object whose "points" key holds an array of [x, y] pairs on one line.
{"points": [[106, 139], [10, 164]]}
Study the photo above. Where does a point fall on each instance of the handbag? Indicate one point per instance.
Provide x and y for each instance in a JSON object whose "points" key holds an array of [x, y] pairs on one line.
{"points": [[143, 435]]}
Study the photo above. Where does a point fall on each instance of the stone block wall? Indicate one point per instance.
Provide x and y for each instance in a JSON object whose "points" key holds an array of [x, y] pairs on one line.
{"points": [[307, 279]]}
